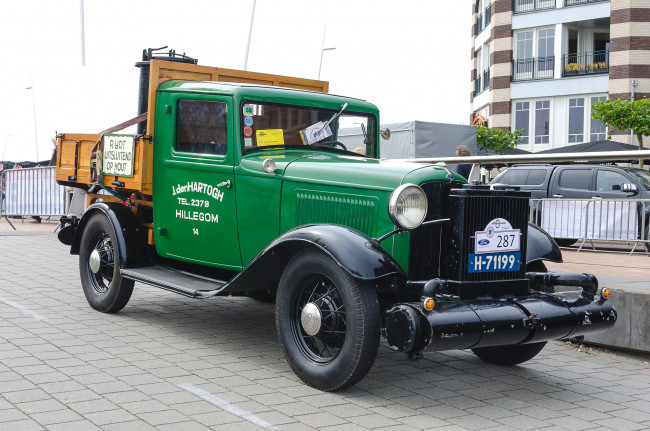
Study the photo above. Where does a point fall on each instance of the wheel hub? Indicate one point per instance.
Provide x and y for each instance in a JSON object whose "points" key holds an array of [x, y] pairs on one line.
{"points": [[94, 261], [311, 319]]}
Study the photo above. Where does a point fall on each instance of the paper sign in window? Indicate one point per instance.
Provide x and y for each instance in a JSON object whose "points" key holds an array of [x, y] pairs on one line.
{"points": [[269, 137]]}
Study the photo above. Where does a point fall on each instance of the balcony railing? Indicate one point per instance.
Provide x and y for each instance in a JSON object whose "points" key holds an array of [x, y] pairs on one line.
{"points": [[533, 68], [579, 2], [532, 5], [482, 83], [483, 20], [585, 63]]}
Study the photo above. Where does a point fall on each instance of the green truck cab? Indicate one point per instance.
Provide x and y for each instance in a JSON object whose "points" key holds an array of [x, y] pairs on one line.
{"points": [[254, 193]]}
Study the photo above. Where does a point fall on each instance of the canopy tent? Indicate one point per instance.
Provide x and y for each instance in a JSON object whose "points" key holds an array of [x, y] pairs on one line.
{"points": [[595, 146], [415, 139]]}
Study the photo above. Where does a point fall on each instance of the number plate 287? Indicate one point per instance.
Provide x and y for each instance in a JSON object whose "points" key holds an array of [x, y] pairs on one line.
{"points": [[494, 262]]}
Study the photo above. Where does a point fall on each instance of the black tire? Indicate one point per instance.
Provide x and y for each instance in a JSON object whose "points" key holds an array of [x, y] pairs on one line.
{"points": [[565, 242], [537, 266], [509, 355], [345, 331], [102, 282]]}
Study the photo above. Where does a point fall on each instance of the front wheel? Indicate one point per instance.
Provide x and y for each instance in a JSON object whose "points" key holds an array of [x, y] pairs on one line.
{"points": [[99, 266], [327, 322], [509, 355]]}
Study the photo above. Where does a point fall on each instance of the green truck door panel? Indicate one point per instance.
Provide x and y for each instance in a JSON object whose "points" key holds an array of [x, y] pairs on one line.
{"points": [[195, 214]]}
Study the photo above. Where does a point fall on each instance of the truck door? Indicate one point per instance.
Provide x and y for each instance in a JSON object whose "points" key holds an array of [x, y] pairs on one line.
{"points": [[606, 180], [194, 213], [571, 183]]}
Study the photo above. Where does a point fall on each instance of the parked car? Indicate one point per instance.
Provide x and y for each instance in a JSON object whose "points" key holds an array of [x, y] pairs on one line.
{"points": [[580, 181]]}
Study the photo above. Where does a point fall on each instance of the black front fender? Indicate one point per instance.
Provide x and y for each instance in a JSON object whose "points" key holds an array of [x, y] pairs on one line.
{"points": [[129, 233], [361, 256], [541, 246]]}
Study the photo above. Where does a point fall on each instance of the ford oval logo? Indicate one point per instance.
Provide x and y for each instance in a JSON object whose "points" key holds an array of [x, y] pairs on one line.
{"points": [[483, 242]]}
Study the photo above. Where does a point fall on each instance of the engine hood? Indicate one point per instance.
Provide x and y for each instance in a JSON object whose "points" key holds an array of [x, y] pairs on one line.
{"points": [[351, 171]]}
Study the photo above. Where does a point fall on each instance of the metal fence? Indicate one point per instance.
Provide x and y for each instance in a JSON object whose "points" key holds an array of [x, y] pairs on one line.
{"points": [[617, 220], [31, 192]]}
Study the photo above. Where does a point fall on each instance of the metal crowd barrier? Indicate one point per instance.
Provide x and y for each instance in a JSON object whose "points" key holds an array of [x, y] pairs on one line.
{"points": [[610, 220], [31, 192]]}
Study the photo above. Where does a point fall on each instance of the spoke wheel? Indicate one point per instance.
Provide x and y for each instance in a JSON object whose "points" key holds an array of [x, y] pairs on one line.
{"points": [[318, 316], [99, 267], [327, 322]]}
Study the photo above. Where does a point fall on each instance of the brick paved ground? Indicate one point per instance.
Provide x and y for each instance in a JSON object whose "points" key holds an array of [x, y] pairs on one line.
{"points": [[168, 362]]}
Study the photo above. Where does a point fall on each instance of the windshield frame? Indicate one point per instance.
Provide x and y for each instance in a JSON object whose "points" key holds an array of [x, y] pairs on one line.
{"points": [[371, 137], [641, 176]]}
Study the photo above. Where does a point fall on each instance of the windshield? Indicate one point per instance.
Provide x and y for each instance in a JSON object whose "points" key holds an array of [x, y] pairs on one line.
{"points": [[270, 125], [642, 176]]}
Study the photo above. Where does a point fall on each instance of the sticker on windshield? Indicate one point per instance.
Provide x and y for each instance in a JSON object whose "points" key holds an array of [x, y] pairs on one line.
{"points": [[249, 110], [498, 236], [248, 121], [315, 132], [269, 137], [248, 131]]}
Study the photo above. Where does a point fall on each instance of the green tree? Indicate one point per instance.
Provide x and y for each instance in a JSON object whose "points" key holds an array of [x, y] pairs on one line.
{"points": [[496, 139], [623, 115]]}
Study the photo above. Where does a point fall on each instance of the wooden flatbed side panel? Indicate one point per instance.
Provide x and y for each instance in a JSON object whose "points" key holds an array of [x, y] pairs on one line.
{"points": [[65, 167], [161, 71]]}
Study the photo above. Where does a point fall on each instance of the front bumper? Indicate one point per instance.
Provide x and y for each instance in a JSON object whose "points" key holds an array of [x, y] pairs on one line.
{"points": [[486, 322]]}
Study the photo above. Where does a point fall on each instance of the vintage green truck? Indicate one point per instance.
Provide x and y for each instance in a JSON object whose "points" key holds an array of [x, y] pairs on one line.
{"points": [[236, 188]]}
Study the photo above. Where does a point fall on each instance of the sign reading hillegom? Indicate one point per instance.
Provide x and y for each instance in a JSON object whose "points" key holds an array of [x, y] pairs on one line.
{"points": [[118, 155]]}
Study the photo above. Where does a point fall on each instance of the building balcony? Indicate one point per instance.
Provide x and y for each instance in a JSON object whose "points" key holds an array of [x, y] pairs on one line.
{"points": [[585, 63], [580, 2], [482, 83], [483, 20], [534, 5], [533, 68]]}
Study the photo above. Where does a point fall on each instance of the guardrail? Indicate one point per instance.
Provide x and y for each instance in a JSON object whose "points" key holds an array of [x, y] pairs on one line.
{"points": [[31, 192], [609, 220]]}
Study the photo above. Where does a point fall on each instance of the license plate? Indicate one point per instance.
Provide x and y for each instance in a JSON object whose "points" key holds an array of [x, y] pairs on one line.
{"points": [[494, 262]]}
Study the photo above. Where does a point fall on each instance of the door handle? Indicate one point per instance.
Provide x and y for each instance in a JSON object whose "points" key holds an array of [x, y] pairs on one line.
{"points": [[224, 183], [597, 197], [557, 196]]}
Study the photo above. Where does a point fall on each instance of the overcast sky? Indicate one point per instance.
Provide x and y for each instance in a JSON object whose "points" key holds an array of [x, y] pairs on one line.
{"points": [[409, 57]]}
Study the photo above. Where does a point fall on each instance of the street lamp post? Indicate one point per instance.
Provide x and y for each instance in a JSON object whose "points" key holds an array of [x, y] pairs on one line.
{"points": [[31, 87], [322, 48]]}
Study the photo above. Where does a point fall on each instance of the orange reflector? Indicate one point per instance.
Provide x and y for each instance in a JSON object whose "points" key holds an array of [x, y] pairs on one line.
{"points": [[605, 293], [428, 304]]}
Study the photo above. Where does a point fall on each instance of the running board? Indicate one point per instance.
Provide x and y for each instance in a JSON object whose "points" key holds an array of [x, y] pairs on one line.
{"points": [[184, 283]]}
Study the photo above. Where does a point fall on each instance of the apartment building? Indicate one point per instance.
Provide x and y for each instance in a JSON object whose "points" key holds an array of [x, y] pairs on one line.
{"points": [[538, 65]]}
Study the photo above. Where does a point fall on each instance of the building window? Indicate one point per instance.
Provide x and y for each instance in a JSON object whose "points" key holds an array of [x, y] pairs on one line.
{"points": [[534, 55], [522, 117], [597, 130], [534, 118], [576, 120], [542, 121]]}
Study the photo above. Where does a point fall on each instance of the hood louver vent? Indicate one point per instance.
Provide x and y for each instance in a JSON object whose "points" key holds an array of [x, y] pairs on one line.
{"points": [[355, 212]]}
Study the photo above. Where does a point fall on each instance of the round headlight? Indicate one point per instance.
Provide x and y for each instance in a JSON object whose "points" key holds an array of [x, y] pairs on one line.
{"points": [[408, 206]]}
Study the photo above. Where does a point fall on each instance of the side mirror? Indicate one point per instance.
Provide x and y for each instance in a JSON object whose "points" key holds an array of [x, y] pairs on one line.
{"points": [[630, 188], [385, 133]]}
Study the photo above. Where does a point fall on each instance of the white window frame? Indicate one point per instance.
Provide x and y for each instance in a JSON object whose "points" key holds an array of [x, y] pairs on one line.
{"points": [[525, 74], [586, 121], [532, 114]]}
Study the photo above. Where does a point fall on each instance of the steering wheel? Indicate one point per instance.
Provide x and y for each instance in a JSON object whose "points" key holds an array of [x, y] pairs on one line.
{"points": [[329, 144]]}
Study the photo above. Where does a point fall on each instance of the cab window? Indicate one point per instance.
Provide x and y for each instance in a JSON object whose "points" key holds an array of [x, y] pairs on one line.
{"points": [[606, 179], [575, 179], [202, 127]]}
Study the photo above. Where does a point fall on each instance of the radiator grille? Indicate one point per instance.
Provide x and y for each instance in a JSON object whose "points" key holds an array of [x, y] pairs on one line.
{"points": [[424, 261], [319, 207], [471, 209]]}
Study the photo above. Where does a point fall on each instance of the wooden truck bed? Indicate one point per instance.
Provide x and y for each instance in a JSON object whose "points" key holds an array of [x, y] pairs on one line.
{"points": [[74, 149]]}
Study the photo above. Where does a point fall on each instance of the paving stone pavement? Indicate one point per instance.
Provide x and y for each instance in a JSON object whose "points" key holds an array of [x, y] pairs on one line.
{"points": [[167, 362]]}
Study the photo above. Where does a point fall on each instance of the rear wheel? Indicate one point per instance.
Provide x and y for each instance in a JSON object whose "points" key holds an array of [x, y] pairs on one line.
{"points": [[509, 355], [327, 322], [99, 266]]}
